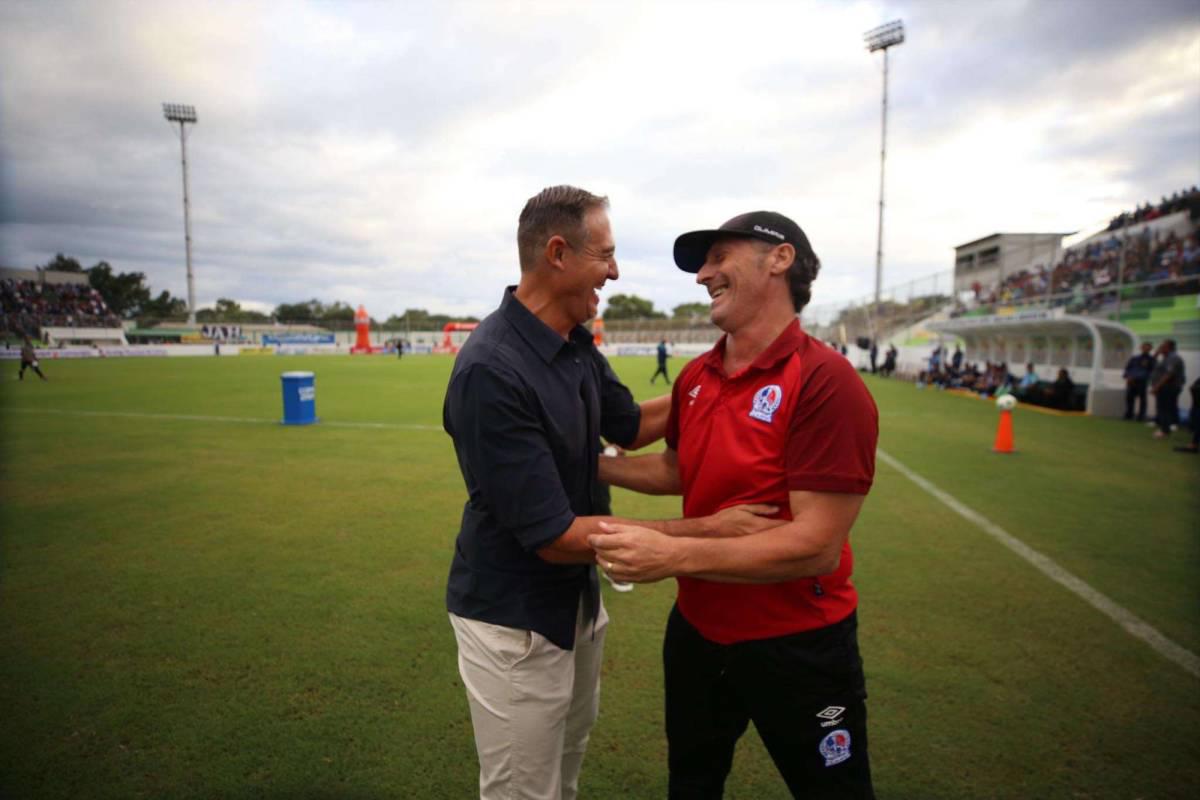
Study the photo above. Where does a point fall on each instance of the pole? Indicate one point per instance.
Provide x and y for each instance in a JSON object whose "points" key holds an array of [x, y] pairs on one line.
{"points": [[882, 161], [187, 228]]}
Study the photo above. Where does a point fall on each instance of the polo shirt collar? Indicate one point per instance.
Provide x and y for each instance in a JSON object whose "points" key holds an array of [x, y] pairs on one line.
{"points": [[537, 334], [786, 343]]}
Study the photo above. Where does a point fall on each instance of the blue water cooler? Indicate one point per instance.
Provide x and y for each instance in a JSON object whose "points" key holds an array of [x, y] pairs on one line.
{"points": [[299, 398]]}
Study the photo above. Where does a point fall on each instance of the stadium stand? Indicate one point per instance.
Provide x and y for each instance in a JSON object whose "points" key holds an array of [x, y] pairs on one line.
{"points": [[1091, 278], [28, 307], [1160, 318], [1187, 200]]}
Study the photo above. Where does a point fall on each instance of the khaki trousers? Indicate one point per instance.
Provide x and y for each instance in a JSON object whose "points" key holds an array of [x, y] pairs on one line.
{"points": [[532, 706]]}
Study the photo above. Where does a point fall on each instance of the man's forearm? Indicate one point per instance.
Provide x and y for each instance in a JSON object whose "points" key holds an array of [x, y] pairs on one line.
{"points": [[768, 557], [648, 474], [683, 527], [653, 424], [572, 546]]}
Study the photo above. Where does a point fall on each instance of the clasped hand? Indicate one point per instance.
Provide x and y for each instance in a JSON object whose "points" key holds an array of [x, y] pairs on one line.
{"points": [[636, 554]]}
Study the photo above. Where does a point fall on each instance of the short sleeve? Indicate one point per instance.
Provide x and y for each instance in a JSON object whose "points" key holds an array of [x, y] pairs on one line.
{"points": [[833, 432], [620, 415], [501, 442]]}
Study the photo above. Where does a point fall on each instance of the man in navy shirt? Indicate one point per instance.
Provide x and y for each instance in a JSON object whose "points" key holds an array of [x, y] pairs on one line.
{"points": [[1137, 373], [662, 363], [528, 401], [1166, 382]]}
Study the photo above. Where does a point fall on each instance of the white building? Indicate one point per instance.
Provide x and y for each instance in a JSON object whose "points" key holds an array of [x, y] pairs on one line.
{"points": [[988, 260]]}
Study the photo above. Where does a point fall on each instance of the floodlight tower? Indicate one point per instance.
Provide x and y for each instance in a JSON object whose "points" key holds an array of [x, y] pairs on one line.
{"points": [[882, 38], [183, 115]]}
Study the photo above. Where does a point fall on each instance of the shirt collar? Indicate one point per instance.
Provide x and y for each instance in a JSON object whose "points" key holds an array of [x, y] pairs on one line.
{"points": [[537, 334], [786, 343]]}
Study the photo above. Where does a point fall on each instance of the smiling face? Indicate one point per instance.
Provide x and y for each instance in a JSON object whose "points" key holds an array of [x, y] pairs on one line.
{"points": [[590, 262], [738, 280]]}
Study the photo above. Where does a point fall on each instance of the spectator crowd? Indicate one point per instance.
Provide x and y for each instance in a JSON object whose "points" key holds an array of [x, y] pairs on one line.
{"points": [[26, 306], [1086, 277], [1187, 200]]}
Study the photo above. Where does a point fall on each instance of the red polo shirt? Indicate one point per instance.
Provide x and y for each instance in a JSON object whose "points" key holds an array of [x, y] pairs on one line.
{"points": [[798, 419]]}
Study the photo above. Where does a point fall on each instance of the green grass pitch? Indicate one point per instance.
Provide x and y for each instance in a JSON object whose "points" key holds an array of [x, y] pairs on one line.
{"points": [[199, 608]]}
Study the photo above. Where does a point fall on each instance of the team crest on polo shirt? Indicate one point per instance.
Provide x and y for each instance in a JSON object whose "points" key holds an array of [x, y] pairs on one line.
{"points": [[836, 747], [766, 402]]}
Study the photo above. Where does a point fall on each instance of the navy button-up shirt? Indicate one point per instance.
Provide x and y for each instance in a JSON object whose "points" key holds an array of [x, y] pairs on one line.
{"points": [[526, 409]]}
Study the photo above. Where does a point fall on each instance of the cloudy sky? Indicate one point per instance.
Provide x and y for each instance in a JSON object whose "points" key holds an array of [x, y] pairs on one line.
{"points": [[380, 153]]}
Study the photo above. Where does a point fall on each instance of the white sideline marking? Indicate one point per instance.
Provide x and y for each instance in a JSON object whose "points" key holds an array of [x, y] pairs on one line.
{"points": [[238, 420], [1126, 619]]}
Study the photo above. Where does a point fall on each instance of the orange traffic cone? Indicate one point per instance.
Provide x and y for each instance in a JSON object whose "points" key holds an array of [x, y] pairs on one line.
{"points": [[1004, 433]]}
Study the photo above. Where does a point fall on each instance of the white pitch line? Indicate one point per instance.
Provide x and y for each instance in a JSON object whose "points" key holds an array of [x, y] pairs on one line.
{"points": [[1126, 619], [236, 420]]}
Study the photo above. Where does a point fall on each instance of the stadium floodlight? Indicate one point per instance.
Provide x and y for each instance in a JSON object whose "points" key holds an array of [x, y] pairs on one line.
{"points": [[179, 113], [882, 38], [175, 112]]}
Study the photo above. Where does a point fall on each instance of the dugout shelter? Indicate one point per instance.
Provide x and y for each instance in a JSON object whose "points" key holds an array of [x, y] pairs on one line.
{"points": [[1093, 351]]}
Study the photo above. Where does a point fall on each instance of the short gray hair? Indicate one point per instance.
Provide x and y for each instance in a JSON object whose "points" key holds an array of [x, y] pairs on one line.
{"points": [[556, 210]]}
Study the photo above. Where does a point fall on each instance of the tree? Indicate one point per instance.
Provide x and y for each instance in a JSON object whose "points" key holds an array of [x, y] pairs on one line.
{"points": [[630, 306], [226, 310], [124, 293], [690, 310], [164, 306], [421, 319], [337, 312], [63, 264], [298, 312]]}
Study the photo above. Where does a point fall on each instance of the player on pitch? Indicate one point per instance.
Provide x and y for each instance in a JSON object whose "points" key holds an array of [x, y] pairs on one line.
{"points": [[29, 360], [764, 627]]}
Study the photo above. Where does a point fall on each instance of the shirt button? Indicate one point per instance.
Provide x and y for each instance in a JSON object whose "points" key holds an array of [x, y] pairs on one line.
{"points": [[577, 361]]}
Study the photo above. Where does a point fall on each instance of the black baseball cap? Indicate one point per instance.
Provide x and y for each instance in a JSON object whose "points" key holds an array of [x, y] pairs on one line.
{"points": [[691, 249]]}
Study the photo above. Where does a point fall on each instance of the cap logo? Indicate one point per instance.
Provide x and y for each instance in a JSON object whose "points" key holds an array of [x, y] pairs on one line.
{"points": [[770, 232]]}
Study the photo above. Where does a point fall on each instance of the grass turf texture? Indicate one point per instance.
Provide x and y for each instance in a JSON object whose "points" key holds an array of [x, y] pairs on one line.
{"points": [[197, 609]]}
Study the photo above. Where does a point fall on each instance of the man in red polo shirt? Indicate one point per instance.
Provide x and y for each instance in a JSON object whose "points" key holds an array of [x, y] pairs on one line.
{"points": [[764, 628]]}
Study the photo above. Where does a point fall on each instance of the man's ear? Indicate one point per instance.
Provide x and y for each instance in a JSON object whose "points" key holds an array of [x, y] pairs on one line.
{"points": [[556, 251], [782, 258]]}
